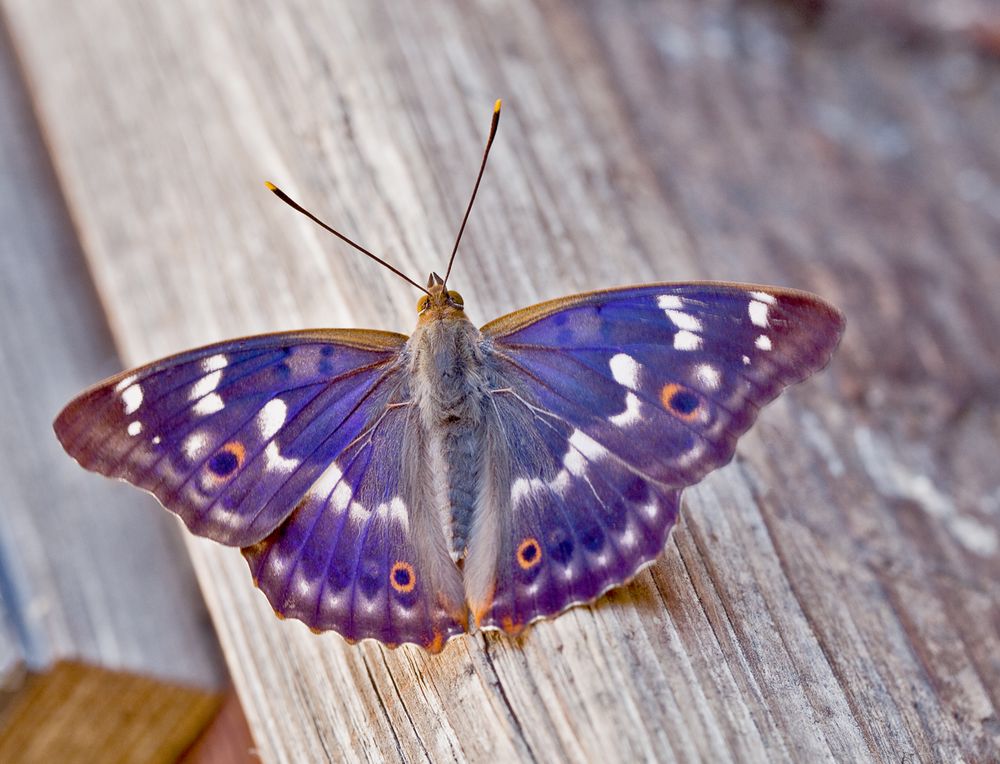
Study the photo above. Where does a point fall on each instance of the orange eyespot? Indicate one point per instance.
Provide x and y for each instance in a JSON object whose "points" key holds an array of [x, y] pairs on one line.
{"points": [[681, 402], [402, 577], [456, 299], [227, 459], [529, 553], [422, 303]]}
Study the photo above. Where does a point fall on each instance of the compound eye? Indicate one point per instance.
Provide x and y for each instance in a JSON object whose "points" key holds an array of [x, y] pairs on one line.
{"points": [[456, 299], [422, 303]]}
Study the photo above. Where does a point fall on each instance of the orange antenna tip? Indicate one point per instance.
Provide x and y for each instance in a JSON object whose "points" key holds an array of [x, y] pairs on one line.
{"points": [[486, 152], [270, 186]]}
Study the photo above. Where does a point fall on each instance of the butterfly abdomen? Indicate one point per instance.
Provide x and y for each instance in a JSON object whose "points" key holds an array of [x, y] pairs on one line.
{"points": [[450, 388]]}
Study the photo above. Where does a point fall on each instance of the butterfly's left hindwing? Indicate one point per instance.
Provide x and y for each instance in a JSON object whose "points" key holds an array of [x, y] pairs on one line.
{"points": [[291, 446], [363, 552], [632, 394]]}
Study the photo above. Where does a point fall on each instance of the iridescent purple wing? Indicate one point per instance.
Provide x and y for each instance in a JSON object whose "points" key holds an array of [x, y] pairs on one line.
{"points": [[363, 552], [242, 441], [616, 400]]}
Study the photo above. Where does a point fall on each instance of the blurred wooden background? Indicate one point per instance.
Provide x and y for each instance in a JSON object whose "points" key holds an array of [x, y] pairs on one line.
{"points": [[832, 595]]}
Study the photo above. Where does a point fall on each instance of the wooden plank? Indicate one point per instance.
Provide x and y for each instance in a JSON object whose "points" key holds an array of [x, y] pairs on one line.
{"points": [[78, 614], [140, 719], [830, 596]]}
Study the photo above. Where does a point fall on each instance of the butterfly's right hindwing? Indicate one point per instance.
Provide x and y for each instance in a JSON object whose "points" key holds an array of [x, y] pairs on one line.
{"points": [[569, 521]]}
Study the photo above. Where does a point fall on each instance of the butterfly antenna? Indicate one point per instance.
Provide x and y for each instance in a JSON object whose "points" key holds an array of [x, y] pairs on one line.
{"points": [[475, 189], [299, 208]]}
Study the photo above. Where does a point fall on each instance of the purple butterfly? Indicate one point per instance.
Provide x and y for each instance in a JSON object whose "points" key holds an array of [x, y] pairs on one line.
{"points": [[411, 489]]}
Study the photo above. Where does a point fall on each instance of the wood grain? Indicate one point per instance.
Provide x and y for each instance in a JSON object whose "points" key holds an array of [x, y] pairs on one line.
{"points": [[75, 621], [78, 712], [830, 596]]}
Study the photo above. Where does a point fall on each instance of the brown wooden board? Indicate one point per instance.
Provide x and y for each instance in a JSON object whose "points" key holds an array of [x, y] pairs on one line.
{"points": [[77, 712], [832, 594]]}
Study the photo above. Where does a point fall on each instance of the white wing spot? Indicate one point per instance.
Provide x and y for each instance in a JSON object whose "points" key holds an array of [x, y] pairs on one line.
{"points": [[523, 487], [132, 398], [304, 587], [708, 375], [397, 512], [686, 341], [228, 517], [275, 562], [277, 462], [746, 360], [582, 449], [134, 428], [342, 496], [684, 320], [560, 483], [333, 602], [692, 455], [628, 538], [127, 382], [194, 445], [574, 462], [209, 405], [156, 440], [326, 482], [587, 446], [763, 342], [357, 512], [625, 370], [764, 297], [758, 313], [669, 302], [272, 417], [631, 413], [214, 363], [205, 385]]}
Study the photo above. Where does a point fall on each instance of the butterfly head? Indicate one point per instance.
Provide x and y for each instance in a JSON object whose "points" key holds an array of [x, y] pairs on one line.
{"points": [[440, 302]]}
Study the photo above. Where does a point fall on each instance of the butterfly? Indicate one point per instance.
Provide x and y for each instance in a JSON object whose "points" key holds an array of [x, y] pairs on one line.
{"points": [[411, 489]]}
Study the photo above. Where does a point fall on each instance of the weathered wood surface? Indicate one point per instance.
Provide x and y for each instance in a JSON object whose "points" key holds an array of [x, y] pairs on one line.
{"points": [[78, 628], [832, 595]]}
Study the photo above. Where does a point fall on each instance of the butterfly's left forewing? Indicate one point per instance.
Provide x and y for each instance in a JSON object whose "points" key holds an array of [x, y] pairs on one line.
{"points": [[290, 446], [629, 395], [225, 434]]}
